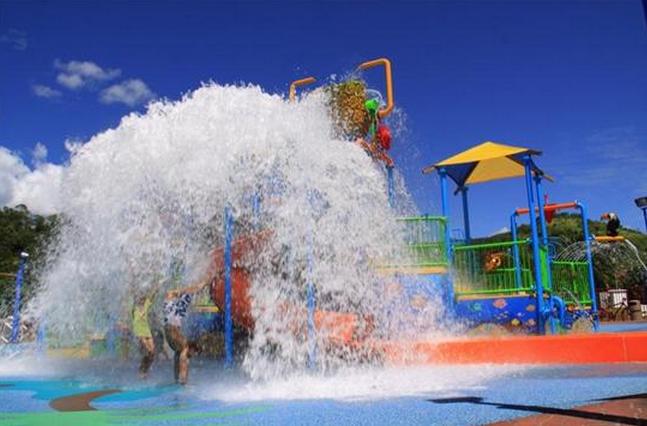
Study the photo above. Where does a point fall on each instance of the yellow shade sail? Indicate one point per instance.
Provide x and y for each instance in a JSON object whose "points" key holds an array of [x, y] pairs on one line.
{"points": [[486, 162]]}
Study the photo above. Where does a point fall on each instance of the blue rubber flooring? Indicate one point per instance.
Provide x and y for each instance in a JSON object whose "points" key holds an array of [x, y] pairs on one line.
{"points": [[443, 396]]}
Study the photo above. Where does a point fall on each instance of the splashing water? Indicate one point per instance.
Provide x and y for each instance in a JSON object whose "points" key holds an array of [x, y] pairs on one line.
{"points": [[149, 195]]}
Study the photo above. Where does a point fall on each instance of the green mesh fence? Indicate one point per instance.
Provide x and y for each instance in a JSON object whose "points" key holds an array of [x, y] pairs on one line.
{"points": [[424, 238], [490, 268], [571, 281]]}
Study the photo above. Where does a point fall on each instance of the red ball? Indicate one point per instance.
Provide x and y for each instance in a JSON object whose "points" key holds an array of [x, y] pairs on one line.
{"points": [[384, 137]]}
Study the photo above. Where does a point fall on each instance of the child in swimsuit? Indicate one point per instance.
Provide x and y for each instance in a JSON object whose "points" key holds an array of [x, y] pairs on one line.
{"points": [[175, 310], [142, 331]]}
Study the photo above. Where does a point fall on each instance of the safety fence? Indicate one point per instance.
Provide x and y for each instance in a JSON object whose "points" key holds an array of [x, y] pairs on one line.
{"points": [[424, 238], [493, 268], [571, 281]]}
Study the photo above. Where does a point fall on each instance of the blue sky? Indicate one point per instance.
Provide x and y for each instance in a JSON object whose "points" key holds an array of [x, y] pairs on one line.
{"points": [[567, 78]]}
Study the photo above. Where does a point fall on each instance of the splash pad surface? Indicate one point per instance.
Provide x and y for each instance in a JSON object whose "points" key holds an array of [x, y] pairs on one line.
{"points": [[457, 395]]}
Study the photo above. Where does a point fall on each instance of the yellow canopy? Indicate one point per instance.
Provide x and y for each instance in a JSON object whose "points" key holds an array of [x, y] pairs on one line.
{"points": [[486, 162]]}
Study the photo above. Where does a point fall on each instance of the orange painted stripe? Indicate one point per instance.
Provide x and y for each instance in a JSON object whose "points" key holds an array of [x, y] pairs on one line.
{"points": [[570, 349]]}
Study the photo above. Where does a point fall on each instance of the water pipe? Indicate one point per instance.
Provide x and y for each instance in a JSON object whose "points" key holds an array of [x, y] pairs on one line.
{"points": [[15, 325], [299, 83], [589, 260], [229, 332], [527, 162], [550, 207], [515, 250], [388, 78], [561, 313]]}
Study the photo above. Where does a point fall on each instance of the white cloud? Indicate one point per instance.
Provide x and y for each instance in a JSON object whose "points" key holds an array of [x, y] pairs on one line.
{"points": [[503, 230], [45, 91], [38, 189], [78, 74], [39, 154], [129, 92], [73, 145], [16, 39]]}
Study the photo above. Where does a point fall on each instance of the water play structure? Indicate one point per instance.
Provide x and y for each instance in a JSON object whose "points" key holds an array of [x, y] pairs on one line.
{"points": [[311, 264]]}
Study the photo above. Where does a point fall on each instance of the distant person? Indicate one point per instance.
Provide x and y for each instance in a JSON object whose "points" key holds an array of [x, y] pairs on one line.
{"points": [[613, 223], [176, 307]]}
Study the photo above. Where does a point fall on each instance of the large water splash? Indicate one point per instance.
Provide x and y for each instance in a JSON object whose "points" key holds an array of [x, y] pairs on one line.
{"points": [[149, 195]]}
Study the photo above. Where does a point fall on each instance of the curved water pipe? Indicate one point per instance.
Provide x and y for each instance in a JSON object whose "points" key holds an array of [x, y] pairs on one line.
{"points": [[388, 79], [298, 83]]}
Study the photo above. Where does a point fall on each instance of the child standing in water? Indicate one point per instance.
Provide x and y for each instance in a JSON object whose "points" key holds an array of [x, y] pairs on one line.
{"points": [[175, 310], [142, 330]]}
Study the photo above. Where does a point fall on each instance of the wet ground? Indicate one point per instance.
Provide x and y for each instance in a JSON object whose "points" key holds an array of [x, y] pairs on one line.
{"points": [[501, 394]]}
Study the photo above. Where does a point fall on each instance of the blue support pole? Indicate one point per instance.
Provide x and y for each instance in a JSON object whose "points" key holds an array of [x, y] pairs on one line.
{"points": [[229, 329], [41, 337], [466, 215], [15, 325], [589, 260], [527, 161], [645, 216], [515, 250], [448, 242], [311, 303], [544, 239], [256, 210], [391, 186]]}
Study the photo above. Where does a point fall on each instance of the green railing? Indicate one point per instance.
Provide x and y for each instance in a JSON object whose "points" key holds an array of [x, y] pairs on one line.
{"points": [[425, 241], [490, 268], [571, 281]]}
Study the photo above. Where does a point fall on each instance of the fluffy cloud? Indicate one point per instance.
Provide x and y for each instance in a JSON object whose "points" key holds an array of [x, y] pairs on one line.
{"points": [[16, 39], [45, 91], [75, 75], [38, 188], [129, 92], [39, 154]]}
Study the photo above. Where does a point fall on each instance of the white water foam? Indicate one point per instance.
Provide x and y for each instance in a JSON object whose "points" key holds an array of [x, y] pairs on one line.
{"points": [[149, 195]]}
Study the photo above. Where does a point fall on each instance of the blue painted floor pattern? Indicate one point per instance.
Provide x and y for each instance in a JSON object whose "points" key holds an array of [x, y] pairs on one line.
{"points": [[26, 401]]}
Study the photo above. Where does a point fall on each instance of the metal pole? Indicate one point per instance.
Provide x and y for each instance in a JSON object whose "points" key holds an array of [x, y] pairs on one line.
{"points": [[15, 325], [311, 303], [589, 260], [256, 210], [229, 332], [645, 216], [542, 213], [466, 215], [391, 186], [41, 337], [527, 161], [544, 239], [515, 250], [448, 242]]}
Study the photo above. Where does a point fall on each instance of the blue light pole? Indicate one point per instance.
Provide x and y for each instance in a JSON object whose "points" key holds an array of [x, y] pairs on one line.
{"points": [[641, 203], [15, 325]]}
